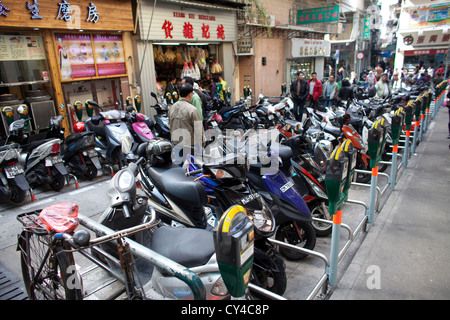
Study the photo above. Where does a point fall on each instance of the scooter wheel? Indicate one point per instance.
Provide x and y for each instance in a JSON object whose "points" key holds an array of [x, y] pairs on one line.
{"points": [[91, 171], [17, 194], [297, 233], [58, 182]]}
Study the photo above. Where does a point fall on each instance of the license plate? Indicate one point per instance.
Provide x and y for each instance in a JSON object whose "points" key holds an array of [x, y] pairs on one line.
{"points": [[53, 160], [246, 113], [270, 117], [13, 171], [214, 123], [254, 114]]}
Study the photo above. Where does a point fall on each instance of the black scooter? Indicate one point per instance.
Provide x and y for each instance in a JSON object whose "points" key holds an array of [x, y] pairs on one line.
{"points": [[42, 158], [13, 184], [78, 152]]}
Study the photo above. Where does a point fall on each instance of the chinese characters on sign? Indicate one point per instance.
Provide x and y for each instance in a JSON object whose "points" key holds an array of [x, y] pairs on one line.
{"points": [[3, 10], [188, 29], [310, 48], [64, 11], [92, 14], [316, 15], [428, 39], [34, 10]]}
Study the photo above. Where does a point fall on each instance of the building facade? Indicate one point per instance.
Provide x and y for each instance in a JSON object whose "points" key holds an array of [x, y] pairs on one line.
{"points": [[53, 54]]}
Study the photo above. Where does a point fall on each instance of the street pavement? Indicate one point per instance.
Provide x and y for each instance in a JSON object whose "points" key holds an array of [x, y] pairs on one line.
{"points": [[402, 255]]}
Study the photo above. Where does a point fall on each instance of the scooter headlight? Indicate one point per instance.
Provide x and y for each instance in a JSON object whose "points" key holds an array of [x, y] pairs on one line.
{"points": [[263, 219], [126, 180], [219, 288], [316, 188]]}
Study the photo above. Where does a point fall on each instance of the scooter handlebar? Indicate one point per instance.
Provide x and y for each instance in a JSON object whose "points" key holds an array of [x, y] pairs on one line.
{"points": [[194, 172]]}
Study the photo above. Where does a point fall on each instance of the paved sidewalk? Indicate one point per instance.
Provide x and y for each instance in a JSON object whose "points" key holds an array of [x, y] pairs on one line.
{"points": [[405, 254]]}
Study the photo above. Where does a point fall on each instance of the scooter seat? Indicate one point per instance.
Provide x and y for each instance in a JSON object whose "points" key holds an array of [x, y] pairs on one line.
{"points": [[285, 153], [172, 182], [76, 136], [189, 247], [33, 145]]}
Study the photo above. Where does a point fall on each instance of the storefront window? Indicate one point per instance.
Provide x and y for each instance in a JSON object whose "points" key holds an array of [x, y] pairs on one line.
{"points": [[304, 64], [22, 62]]}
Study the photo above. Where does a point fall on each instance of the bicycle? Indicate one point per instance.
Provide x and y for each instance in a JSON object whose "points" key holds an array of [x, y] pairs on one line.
{"points": [[48, 242]]}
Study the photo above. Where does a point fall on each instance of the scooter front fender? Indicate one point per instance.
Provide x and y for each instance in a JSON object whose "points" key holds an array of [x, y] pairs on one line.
{"points": [[268, 259]]}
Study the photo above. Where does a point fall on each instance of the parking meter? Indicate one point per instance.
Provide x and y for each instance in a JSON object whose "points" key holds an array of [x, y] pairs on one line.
{"points": [[129, 101], [409, 112], [396, 125], [283, 89], [175, 96], [22, 111], [386, 127], [374, 143], [8, 114], [246, 92], [418, 107], [234, 245], [169, 98], [138, 102], [335, 177], [350, 153], [89, 108], [78, 106]]}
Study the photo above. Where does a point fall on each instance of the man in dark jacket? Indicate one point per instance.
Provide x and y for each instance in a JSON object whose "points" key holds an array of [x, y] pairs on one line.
{"points": [[299, 93]]}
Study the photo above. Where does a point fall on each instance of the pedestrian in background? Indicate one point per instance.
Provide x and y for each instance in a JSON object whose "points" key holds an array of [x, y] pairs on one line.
{"points": [[330, 91], [299, 94], [384, 88], [315, 91]]}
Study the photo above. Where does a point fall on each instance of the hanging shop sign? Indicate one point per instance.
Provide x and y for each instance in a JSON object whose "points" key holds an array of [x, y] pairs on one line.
{"points": [[424, 52], [366, 28], [173, 23], [310, 48], [109, 15], [15, 47], [318, 15], [76, 55], [427, 39]]}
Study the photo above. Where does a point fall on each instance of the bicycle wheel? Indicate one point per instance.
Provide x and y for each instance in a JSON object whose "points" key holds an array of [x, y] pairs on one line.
{"points": [[48, 272]]}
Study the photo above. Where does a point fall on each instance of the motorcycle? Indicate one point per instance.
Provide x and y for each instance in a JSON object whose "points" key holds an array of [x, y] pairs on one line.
{"points": [[307, 170], [111, 134], [292, 215], [162, 126], [13, 184], [190, 247], [42, 158], [140, 125], [226, 185], [181, 201]]}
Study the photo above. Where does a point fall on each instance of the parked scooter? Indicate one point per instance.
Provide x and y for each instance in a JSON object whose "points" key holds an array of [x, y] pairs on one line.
{"points": [[190, 247], [13, 184], [226, 185], [292, 214], [162, 126], [42, 159], [140, 125], [111, 132], [80, 155]]}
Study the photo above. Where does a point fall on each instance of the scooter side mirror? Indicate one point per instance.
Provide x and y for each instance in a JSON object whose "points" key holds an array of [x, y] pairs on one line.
{"points": [[154, 95]]}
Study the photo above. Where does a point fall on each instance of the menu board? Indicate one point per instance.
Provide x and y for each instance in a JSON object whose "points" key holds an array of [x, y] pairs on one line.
{"points": [[109, 55], [14, 47], [76, 55]]}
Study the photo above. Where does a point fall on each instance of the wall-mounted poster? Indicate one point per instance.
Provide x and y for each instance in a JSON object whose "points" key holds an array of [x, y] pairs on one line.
{"points": [[75, 56], [15, 47], [109, 55]]}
